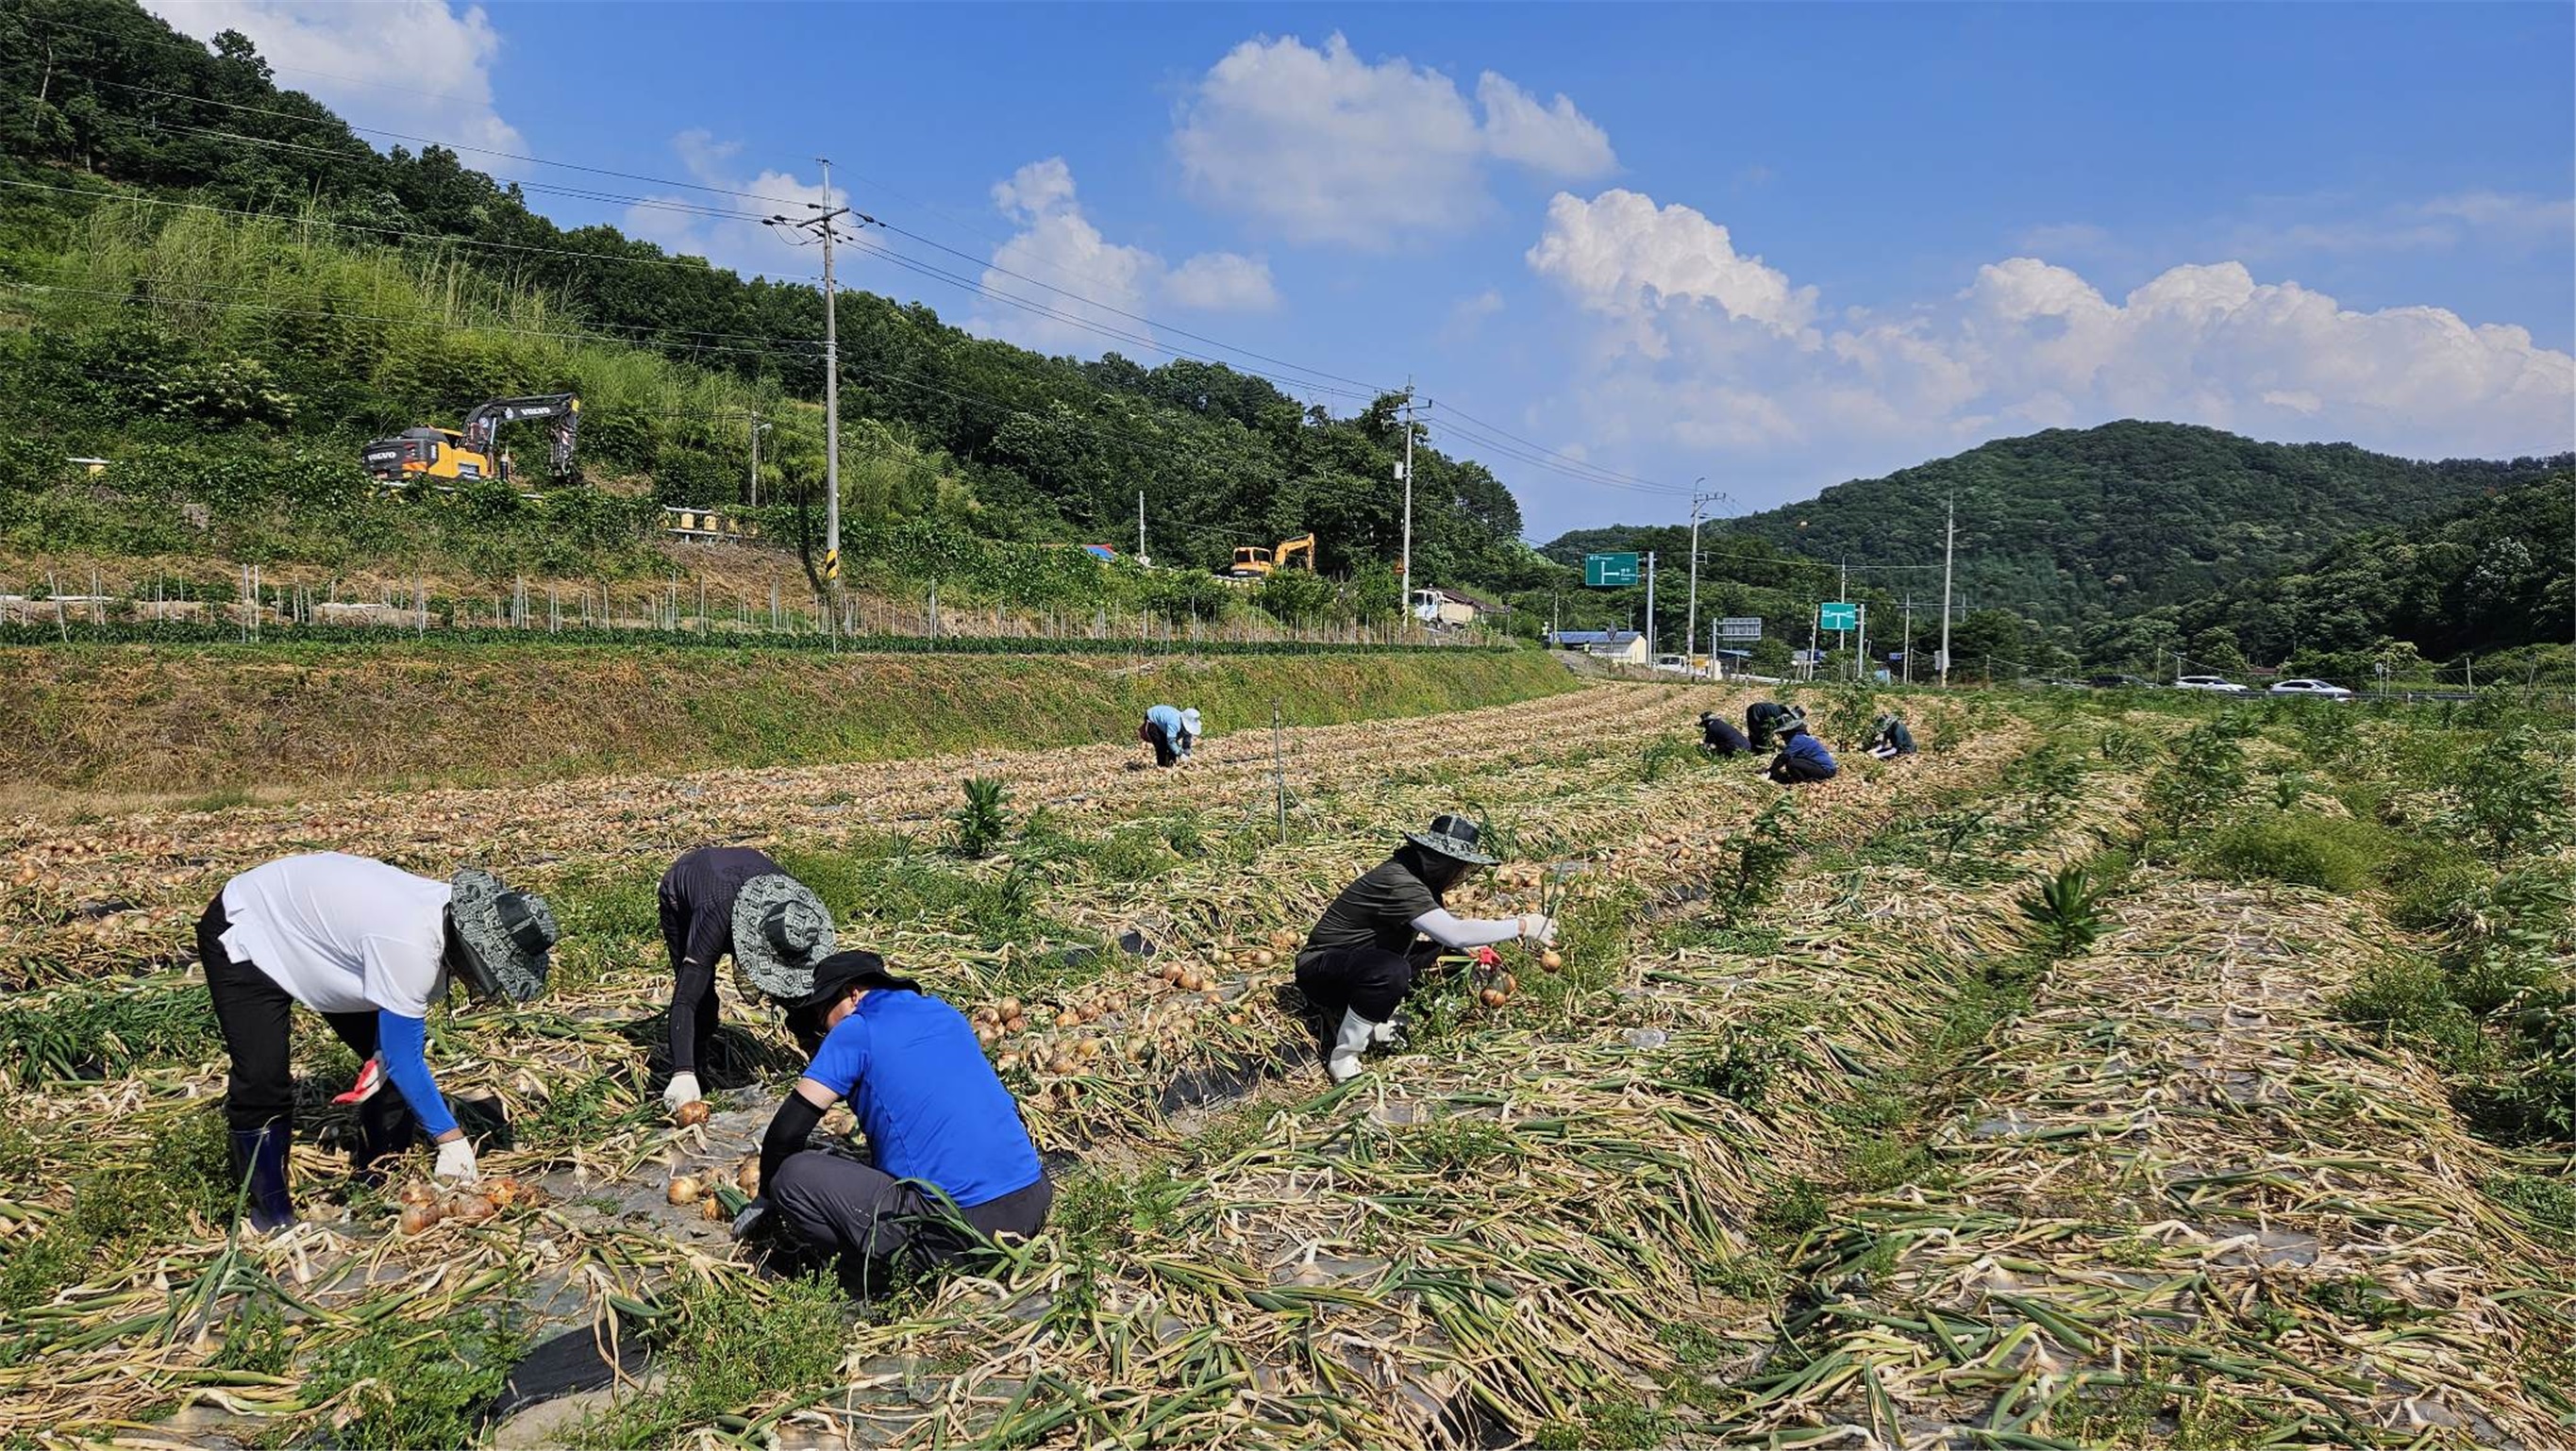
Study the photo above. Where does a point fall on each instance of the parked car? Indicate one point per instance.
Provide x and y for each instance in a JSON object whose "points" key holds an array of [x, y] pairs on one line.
{"points": [[2114, 682], [2316, 689], [1676, 664], [2218, 683]]}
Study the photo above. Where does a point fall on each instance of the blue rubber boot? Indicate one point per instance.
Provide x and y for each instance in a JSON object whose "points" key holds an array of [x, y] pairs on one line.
{"points": [[259, 1155]]}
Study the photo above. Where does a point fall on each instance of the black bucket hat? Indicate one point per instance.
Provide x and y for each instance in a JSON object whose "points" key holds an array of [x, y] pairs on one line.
{"points": [[1454, 837], [842, 971], [780, 930]]}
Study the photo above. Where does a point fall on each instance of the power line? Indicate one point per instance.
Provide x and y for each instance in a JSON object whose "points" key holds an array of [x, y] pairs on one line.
{"points": [[1587, 464]]}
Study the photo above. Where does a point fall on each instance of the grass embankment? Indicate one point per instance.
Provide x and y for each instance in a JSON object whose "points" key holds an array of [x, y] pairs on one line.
{"points": [[128, 722]]}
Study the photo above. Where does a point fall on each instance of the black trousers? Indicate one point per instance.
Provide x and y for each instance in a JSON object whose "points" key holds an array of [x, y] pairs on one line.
{"points": [[833, 1206], [1165, 752], [1792, 770], [253, 1012], [695, 1013], [1369, 981]]}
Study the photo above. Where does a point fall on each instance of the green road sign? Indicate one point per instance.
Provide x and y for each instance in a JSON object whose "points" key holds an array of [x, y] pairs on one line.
{"points": [[1838, 616], [1609, 571]]}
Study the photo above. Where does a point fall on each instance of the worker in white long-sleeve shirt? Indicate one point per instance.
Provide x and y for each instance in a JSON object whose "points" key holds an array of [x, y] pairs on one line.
{"points": [[1364, 956]]}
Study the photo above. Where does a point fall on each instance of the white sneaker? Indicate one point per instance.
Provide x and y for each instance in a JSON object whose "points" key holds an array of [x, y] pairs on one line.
{"points": [[1342, 1062]]}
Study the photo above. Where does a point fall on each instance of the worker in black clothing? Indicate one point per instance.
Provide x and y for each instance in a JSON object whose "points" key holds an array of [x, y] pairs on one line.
{"points": [[1888, 737], [1365, 955], [720, 899], [1763, 720], [1718, 736]]}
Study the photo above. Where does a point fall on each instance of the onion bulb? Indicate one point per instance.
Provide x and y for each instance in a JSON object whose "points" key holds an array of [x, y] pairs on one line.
{"points": [[417, 1192], [417, 1217], [472, 1208], [1552, 960], [747, 1176], [685, 1189], [693, 1113], [1491, 997]]}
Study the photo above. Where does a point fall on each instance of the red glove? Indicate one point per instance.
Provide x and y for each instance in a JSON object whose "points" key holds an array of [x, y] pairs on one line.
{"points": [[371, 1076], [1488, 957]]}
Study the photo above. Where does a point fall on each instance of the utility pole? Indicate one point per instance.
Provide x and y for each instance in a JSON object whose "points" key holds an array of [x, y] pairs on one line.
{"points": [[757, 429], [1949, 540], [1842, 591], [1690, 617], [1140, 526], [1650, 609], [1404, 565], [1905, 657], [821, 226]]}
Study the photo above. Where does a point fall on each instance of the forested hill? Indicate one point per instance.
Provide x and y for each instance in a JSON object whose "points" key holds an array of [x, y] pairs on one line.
{"points": [[122, 135], [2072, 524], [2495, 574]]}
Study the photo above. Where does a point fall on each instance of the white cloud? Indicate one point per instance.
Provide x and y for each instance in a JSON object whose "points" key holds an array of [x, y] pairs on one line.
{"points": [[2063, 237], [1555, 139], [1619, 254], [1701, 347], [1106, 287], [725, 229], [2517, 218], [1328, 147], [345, 55]]}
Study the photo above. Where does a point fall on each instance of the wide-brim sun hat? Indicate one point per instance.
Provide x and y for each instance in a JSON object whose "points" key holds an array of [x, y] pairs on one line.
{"points": [[509, 936], [1190, 720], [1454, 837], [780, 930]]}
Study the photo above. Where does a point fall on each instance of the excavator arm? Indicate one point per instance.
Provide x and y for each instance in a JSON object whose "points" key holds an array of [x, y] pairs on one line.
{"points": [[563, 408]]}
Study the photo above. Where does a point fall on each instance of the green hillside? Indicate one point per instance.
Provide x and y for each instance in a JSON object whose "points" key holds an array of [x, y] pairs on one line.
{"points": [[2496, 574], [2070, 524], [217, 278]]}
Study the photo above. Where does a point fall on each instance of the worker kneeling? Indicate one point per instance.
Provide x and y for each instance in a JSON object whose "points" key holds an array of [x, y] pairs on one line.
{"points": [[1888, 738], [1364, 956], [1802, 757], [1719, 737], [953, 1163], [369, 947], [1171, 731]]}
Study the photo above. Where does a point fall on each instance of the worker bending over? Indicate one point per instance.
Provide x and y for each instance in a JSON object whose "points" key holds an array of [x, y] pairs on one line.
{"points": [[1367, 952], [1888, 737], [953, 1165], [1171, 731], [1763, 720], [369, 947], [1802, 757], [732, 899], [1718, 736]]}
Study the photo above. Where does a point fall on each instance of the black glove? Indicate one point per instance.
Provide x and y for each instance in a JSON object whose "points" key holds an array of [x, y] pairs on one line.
{"points": [[755, 1219]]}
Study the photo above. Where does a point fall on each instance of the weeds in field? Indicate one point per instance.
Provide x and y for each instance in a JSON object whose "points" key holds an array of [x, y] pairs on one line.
{"points": [[2065, 910], [2206, 775], [1763, 854], [103, 1032], [1658, 759], [2334, 854], [2511, 795], [720, 1350], [405, 1385], [1742, 1064], [982, 823]]}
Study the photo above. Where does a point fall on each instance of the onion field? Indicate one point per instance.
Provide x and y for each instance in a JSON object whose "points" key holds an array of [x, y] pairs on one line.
{"points": [[2115, 1072]]}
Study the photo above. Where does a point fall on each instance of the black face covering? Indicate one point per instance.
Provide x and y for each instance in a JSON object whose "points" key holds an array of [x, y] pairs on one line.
{"points": [[1437, 872]]}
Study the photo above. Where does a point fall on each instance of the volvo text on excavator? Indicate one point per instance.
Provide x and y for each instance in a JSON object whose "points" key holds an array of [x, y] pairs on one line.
{"points": [[447, 456], [1251, 561]]}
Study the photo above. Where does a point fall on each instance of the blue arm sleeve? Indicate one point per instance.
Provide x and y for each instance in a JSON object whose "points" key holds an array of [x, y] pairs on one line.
{"points": [[400, 1045]]}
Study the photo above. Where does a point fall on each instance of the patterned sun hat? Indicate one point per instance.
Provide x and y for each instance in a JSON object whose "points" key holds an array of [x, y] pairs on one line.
{"points": [[780, 930]]}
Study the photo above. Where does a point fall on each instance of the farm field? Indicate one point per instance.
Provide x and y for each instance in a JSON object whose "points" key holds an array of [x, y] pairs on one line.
{"points": [[2105, 1075]]}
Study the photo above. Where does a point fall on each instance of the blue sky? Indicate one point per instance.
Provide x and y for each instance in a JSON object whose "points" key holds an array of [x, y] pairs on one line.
{"points": [[1773, 246]]}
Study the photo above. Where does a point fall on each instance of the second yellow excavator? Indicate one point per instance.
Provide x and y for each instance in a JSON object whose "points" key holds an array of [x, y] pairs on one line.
{"points": [[1251, 561]]}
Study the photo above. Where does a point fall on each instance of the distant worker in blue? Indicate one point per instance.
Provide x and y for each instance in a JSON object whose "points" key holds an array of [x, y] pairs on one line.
{"points": [[1802, 757], [1719, 737], [1888, 737], [950, 1163], [1171, 731]]}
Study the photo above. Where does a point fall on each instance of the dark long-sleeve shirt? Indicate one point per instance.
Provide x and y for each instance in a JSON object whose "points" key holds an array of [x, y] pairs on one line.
{"points": [[697, 898]]}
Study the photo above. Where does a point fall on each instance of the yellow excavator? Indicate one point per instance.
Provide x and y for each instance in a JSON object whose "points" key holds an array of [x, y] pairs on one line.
{"points": [[1251, 561], [449, 456]]}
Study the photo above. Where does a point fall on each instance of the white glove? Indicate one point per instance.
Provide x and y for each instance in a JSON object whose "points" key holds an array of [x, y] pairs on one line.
{"points": [[455, 1161], [683, 1089], [1538, 928]]}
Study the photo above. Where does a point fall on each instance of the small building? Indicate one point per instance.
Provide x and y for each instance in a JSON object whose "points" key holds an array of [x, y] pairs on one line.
{"points": [[1626, 646]]}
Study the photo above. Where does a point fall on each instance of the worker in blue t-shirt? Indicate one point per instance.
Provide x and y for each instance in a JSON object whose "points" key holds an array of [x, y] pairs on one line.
{"points": [[1802, 757], [953, 1163]]}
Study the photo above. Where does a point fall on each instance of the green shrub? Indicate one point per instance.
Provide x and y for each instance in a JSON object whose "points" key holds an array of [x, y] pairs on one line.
{"points": [[2300, 848], [2408, 999], [2066, 910], [2206, 775], [982, 822], [413, 1385]]}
